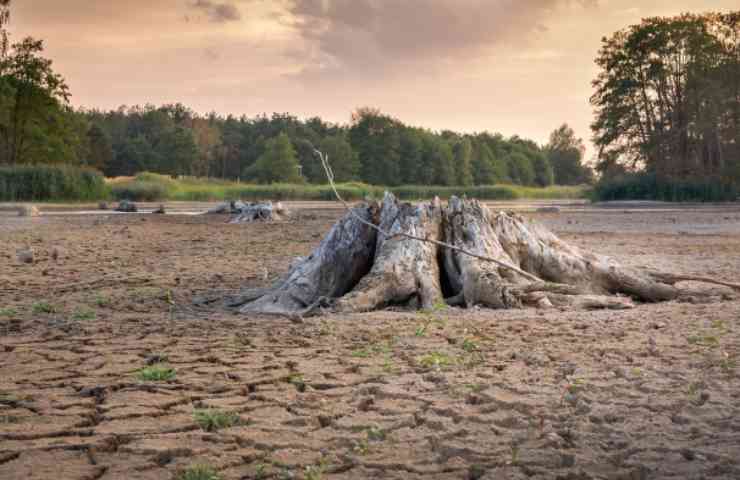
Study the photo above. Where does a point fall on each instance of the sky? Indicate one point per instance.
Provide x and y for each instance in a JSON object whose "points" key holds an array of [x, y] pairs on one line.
{"points": [[512, 66]]}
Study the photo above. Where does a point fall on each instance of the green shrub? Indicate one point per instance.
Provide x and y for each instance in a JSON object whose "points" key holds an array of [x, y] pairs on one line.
{"points": [[139, 191], [646, 186], [50, 182]]}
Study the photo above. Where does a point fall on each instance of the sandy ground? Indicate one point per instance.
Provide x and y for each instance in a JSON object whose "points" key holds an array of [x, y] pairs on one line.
{"points": [[452, 394]]}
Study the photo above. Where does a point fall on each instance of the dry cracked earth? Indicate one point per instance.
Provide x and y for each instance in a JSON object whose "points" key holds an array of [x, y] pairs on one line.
{"points": [[109, 371]]}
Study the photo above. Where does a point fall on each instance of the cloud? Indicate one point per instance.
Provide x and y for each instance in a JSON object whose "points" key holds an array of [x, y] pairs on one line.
{"points": [[218, 12], [383, 35]]}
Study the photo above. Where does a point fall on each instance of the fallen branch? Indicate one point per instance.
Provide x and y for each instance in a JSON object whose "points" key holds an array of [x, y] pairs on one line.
{"points": [[672, 279]]}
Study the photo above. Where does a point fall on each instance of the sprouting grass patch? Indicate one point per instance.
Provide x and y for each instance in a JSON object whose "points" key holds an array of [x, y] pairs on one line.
{"points": [[8, 312], [82, 314], [43, 307], [211, 420], [436, 360], [156, 373], [199, 472]]}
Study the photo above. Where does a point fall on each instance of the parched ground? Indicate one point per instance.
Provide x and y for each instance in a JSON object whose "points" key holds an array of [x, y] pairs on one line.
{"points": [[451, 394]]}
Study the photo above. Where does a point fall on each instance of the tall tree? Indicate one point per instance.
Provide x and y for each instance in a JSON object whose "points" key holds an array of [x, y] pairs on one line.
{"points": [[100, 153], [33, 102], [278, 164], [565, 153], [667, 98], [464, 162], [343, 160]]}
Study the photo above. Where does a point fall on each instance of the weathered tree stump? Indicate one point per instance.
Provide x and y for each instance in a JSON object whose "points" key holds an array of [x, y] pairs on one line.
{"points": [[472, 257], [125, 206], [251, 212]]}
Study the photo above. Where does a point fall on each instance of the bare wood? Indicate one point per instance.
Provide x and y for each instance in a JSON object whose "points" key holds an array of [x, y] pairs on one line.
{"points": [[330, 177]]}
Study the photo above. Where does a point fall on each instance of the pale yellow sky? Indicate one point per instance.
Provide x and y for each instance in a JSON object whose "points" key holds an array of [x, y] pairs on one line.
{"points": [[510, 66]]}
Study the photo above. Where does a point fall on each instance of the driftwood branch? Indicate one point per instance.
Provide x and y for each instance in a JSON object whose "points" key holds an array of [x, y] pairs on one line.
{"points": [[330, 176]]}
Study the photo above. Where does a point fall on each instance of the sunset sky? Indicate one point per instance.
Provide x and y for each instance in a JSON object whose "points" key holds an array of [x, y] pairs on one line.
{"points": [[510, 66]]}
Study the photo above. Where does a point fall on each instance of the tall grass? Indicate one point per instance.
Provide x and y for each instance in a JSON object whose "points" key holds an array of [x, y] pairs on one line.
{"points": [[646, 186], [151, 187], [50, 182]]}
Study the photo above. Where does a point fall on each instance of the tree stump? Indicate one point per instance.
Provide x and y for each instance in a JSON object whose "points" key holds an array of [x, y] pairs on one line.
{"points": [[472, 257], [251, 212]]}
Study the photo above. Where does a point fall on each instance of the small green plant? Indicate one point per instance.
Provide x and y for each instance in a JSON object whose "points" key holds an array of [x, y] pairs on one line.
{"points": [[316, 472], [199, 472], [389, 366], [514, 454], [421, 331], [102, 300], [82, 314], [6, 419], [156, 373], [704, 340], [296, 379], [469, 345], [8, 312], [436, 360], [375, 434], [374, 349], [362, 447], [695, 388], [211, 420], [361, 353], [475, 387], [43, 307], [260, 471]]}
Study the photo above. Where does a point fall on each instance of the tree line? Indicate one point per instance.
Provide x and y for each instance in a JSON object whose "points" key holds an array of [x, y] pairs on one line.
{"points": [[374, 148]]}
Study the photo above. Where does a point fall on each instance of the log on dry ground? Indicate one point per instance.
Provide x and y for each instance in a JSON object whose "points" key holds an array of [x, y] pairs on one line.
{"points": [[251, 212]]}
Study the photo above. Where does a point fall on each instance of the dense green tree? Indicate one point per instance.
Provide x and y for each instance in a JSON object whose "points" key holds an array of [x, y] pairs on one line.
{"points": [[484, 165], [177, 150], [521, 168], [442, 161], [135, 155], [343, 160], [565, 153], [667, 96], [376, 139], [33, 105], [464, 162], [410, 153], [278, 164], [100, 153]]}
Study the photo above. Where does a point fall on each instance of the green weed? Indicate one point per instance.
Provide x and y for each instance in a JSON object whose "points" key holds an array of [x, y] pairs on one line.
{"points": [[436, 360], [156, 373], [43, 307], [211, 420], [200, 472], [82, 314]]}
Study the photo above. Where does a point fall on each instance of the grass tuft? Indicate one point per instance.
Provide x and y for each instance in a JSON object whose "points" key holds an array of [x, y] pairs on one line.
{"points": [[211, 420], [199, 472], [43, 307], [156, 373]]}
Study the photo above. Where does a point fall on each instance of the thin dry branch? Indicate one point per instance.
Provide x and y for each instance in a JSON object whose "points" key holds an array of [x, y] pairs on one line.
{"points": [[671, 279], [330, 176]]}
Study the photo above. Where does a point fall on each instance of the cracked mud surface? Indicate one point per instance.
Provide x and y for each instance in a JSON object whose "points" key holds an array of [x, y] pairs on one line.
{"points": [[452, 394]]}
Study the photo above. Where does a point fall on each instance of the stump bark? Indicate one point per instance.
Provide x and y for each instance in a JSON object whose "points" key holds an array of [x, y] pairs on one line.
{"points": [[373, 258]]}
